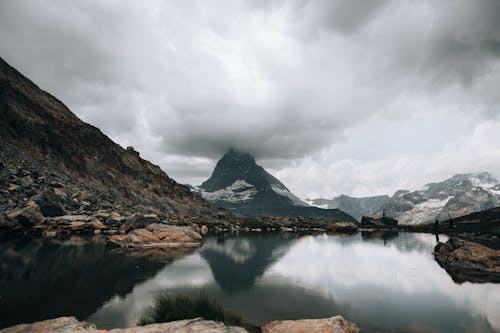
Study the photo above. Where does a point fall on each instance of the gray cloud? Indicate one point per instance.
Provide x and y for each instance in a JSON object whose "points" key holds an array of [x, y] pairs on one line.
{"points": [[285, 80]]}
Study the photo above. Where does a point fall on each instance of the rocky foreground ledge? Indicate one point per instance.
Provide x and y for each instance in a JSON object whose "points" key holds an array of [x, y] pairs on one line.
{"points": [[468, 261], [335, 324]]}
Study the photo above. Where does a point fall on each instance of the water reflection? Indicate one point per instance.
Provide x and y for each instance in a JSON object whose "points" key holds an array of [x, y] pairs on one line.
{"points": [[383, 282], [43, 279]]}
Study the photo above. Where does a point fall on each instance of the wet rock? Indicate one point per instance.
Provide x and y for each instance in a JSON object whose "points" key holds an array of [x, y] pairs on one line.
{"points": [[49, 203], [204, 229], [29, 216], [157, 235], [378, 222], [468, 261], [71, 324], [328, 325]]}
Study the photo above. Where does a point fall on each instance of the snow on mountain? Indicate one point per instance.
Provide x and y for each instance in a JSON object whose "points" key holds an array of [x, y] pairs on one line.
{"points": [[239, 191], [459, 195], [283, 191]]}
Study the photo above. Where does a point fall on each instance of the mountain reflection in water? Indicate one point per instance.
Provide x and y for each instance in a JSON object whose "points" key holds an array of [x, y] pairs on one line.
{"points": [[383, 282]]}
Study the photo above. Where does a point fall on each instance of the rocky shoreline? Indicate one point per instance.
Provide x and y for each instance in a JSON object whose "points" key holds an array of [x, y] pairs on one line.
{"points": [[335, 324], [468, 261]]}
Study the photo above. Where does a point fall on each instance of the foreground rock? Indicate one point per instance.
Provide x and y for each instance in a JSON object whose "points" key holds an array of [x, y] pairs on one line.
{"points": [[334, 324], [378, 222], [70, 325], [468, 261], [158, 235]]}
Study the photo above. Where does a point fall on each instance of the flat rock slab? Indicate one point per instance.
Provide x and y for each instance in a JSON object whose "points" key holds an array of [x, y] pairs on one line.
{"points": [[468, 261], [70, 325], [328, 325], [157, 235]]}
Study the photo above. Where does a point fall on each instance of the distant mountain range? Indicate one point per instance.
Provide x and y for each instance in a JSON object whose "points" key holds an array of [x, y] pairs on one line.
{"points": [[459, 195], [246, 189]]}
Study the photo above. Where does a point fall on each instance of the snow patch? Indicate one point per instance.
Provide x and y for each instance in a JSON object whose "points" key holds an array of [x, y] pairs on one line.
{"points": [[239, 191], [424, 212], [285, 193]]}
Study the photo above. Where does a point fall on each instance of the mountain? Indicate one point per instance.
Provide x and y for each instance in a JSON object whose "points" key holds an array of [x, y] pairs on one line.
{"points": [[357, 207], [45, 147], [459, 195], [246, 189]]}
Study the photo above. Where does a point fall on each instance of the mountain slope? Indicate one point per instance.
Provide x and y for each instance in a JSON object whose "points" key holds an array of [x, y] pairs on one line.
{"points": [[245, 188], [42, 139], [357, 207], [459, 195]]}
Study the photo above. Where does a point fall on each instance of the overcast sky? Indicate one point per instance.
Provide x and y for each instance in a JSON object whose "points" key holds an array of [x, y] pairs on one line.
{"points": [[356, 97]]}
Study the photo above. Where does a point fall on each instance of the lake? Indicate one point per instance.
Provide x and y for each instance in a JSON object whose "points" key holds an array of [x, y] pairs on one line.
{"points": [[384, 282]]}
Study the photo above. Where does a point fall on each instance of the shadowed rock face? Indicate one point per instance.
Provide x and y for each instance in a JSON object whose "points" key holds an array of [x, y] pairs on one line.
{"points": [[47, 278], [468, 261], [43, 145]]}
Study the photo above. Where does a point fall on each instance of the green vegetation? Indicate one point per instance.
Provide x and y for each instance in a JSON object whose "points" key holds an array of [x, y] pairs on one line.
{"points": [[178, 307]]}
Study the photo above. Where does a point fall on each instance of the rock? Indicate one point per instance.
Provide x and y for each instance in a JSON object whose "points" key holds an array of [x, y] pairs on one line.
{"points": [[378, 222], [204, 229], [328, 325], [346, 227], [157, 235], [195, 227], [9, 225], [13, 187], [139, 220], [96, 224], [28, 216], [71, 325], [72, 218], [49, 204], [468, 261]]}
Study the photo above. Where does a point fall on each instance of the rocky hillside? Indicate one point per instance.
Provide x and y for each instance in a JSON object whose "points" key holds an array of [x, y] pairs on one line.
{"points": [[53, 164], [246, 189], [457, 196]]}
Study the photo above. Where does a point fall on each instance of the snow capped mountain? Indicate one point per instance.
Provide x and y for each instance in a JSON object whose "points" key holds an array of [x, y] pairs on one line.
{"points": [[459, 195], [245, 188]]}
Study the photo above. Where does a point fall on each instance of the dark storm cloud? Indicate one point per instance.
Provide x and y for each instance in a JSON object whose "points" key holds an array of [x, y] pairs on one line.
{"points": [[281, 79]]}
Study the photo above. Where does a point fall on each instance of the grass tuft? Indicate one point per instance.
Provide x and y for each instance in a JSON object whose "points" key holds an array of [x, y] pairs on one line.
{"points": [[179, 307]]}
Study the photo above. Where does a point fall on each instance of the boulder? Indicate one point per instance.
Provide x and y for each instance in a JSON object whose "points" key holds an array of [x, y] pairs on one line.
{"points": [[204, 229], [49, 203], [138, 220], [378, 222], [157, 235], [28, 216], [71, 325], [468, 261], [328, 325]]}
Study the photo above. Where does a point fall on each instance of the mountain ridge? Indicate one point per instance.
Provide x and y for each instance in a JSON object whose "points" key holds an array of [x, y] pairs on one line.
{"points": [[245, 188], [459, 195]]}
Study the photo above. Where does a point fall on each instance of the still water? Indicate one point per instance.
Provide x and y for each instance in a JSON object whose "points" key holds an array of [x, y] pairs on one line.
{"points": [[383, 282]]}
